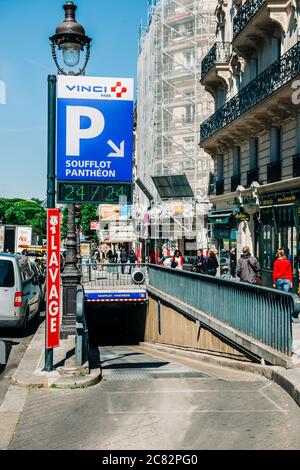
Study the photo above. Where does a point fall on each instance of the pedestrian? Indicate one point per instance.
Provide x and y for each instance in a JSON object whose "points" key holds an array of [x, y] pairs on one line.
{"points": [[132, 259], [248, 267], [233, 262], [282, 272], [199, 264], [212, 264], [177, 260], [124, 259]]}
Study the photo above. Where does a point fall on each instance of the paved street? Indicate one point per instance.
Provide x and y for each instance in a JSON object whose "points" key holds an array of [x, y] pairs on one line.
{"points": [[16, 344], [146, 402]]}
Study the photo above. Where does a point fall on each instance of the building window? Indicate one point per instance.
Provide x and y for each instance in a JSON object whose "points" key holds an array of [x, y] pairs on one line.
{"points": [[220, 98], [253, 150], [236, 161], [253, 68], [220, 167], [276, 143], [276, 48]]}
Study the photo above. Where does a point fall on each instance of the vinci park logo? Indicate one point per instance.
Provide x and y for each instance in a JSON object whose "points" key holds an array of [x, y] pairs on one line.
{"points": [[119, 89]]}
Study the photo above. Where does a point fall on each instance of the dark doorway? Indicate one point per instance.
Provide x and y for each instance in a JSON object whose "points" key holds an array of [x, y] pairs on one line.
{"points": [[9, 239], [115, 325]]}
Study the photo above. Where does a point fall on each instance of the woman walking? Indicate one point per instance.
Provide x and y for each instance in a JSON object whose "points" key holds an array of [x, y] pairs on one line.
{"points": [[282, 272], [212, 264], [177, 260]]}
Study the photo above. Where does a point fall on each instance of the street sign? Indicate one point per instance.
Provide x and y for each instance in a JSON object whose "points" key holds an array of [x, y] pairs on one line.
{"points": [[94, 129], [53, 279], [93, 193]]}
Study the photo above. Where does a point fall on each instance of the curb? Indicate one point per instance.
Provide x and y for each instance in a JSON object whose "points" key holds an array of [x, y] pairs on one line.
{"points": [[287, 379], [29, 373]]}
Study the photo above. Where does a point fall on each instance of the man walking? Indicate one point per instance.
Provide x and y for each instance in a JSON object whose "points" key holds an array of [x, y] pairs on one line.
{"points": [[247, 267]]}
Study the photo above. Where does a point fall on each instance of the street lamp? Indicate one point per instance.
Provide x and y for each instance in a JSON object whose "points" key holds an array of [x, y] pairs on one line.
{"points": [[71, 40]]}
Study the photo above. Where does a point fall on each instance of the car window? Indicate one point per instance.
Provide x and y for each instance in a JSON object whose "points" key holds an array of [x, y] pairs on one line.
{"points": [[25, 268], [7, 275]]}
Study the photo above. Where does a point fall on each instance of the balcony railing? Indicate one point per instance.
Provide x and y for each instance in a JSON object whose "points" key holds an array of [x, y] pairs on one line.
{"points": [[235, 182], [270, 80], [219, 187], [274, 171], [245, 14], [296, 165], [218, 54], [252, 175]]}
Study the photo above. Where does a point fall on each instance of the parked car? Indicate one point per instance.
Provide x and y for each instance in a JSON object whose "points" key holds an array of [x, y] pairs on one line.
{"points": [[20, 291], [166, 261]]}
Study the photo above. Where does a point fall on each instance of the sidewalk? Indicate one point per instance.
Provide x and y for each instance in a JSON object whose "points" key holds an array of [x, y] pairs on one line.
{"points": [[30, 375]]}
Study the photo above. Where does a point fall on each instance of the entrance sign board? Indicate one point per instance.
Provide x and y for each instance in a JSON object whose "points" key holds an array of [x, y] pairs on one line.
{"points": [[94, 129], [53, 279]]}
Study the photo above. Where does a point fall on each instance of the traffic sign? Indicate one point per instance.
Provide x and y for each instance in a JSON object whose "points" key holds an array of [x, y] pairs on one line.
{"points": [[94, 129]]}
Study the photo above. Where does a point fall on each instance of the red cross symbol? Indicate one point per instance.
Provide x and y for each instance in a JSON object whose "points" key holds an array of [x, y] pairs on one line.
{"points": [[118, 89]]}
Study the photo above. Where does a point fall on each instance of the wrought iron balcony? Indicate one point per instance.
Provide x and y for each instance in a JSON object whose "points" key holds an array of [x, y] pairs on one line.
{"points": [[274, 171], [270, 80], [235, 182], [245, 14], [219, 187], [296, 165], [218, 54], [252, 175]]}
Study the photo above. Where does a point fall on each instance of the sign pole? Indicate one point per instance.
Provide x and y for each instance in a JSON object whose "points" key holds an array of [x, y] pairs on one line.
{"points": [[50, 179]]}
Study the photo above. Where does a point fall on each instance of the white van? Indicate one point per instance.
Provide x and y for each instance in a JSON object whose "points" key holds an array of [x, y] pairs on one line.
{"points": [[20, 292]]}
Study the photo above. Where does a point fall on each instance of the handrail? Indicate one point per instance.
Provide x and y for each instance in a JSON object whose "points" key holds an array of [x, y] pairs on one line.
{"points": [[260, 312]]}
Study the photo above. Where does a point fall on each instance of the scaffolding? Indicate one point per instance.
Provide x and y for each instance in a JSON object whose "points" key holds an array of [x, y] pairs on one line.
{"points": [[171, 101]]}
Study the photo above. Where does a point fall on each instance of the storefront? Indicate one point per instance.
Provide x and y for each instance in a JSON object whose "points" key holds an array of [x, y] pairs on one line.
{"points": [[279, 229]]}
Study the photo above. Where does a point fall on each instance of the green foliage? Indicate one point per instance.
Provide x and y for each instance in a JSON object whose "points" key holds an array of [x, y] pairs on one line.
{"points": [[24, 212], [88, 213]]}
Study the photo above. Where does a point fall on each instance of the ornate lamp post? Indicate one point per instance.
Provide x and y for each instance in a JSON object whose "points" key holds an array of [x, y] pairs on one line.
{"points": [[71, 40]]}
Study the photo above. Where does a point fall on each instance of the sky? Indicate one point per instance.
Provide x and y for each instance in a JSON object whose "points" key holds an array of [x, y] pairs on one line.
{"points": [[25, 62]]}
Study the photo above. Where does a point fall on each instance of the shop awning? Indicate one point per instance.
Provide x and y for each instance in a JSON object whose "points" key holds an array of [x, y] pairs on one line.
{"points": [[173, 186], [221, 217]]}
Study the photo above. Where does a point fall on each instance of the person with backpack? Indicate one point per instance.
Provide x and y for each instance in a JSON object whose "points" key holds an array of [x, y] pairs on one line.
{"points": [[282, 272], [132, 259], [248, 267], [124, 259]]}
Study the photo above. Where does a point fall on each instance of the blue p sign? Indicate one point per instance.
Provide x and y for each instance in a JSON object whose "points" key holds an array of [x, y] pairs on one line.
{"points": [[94, 129]]}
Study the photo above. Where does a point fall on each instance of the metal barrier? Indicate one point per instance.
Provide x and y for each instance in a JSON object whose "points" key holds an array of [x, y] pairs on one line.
{"points": [[111, 275], [81, 329], [262, 313]]}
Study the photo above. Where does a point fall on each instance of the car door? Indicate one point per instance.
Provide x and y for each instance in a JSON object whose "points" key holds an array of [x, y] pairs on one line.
{"points": [[7, 287]]}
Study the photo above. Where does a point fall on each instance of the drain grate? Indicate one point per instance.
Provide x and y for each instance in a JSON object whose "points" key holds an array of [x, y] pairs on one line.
{"points": [[135, 374]]}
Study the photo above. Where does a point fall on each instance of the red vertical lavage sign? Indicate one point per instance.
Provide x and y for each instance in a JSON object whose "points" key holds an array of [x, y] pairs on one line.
{"points": [[53, 278]]}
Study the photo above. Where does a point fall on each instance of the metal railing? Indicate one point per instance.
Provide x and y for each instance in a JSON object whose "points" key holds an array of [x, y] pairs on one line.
{"points": [[245, 14], [218, 54], [235, 182], [111, 275], [274, 171], [261, 313], [252, 175], [270, 80]]}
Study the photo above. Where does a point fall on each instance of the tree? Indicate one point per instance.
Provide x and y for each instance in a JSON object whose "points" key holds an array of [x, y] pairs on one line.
{"points": [[24, 212]]}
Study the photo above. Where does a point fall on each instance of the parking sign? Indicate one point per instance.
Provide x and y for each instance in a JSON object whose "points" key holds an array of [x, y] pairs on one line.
{"points": [[94, 129]]}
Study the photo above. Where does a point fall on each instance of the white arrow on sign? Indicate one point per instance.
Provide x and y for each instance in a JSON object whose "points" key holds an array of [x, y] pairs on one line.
{"points": [[119, 151]]}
